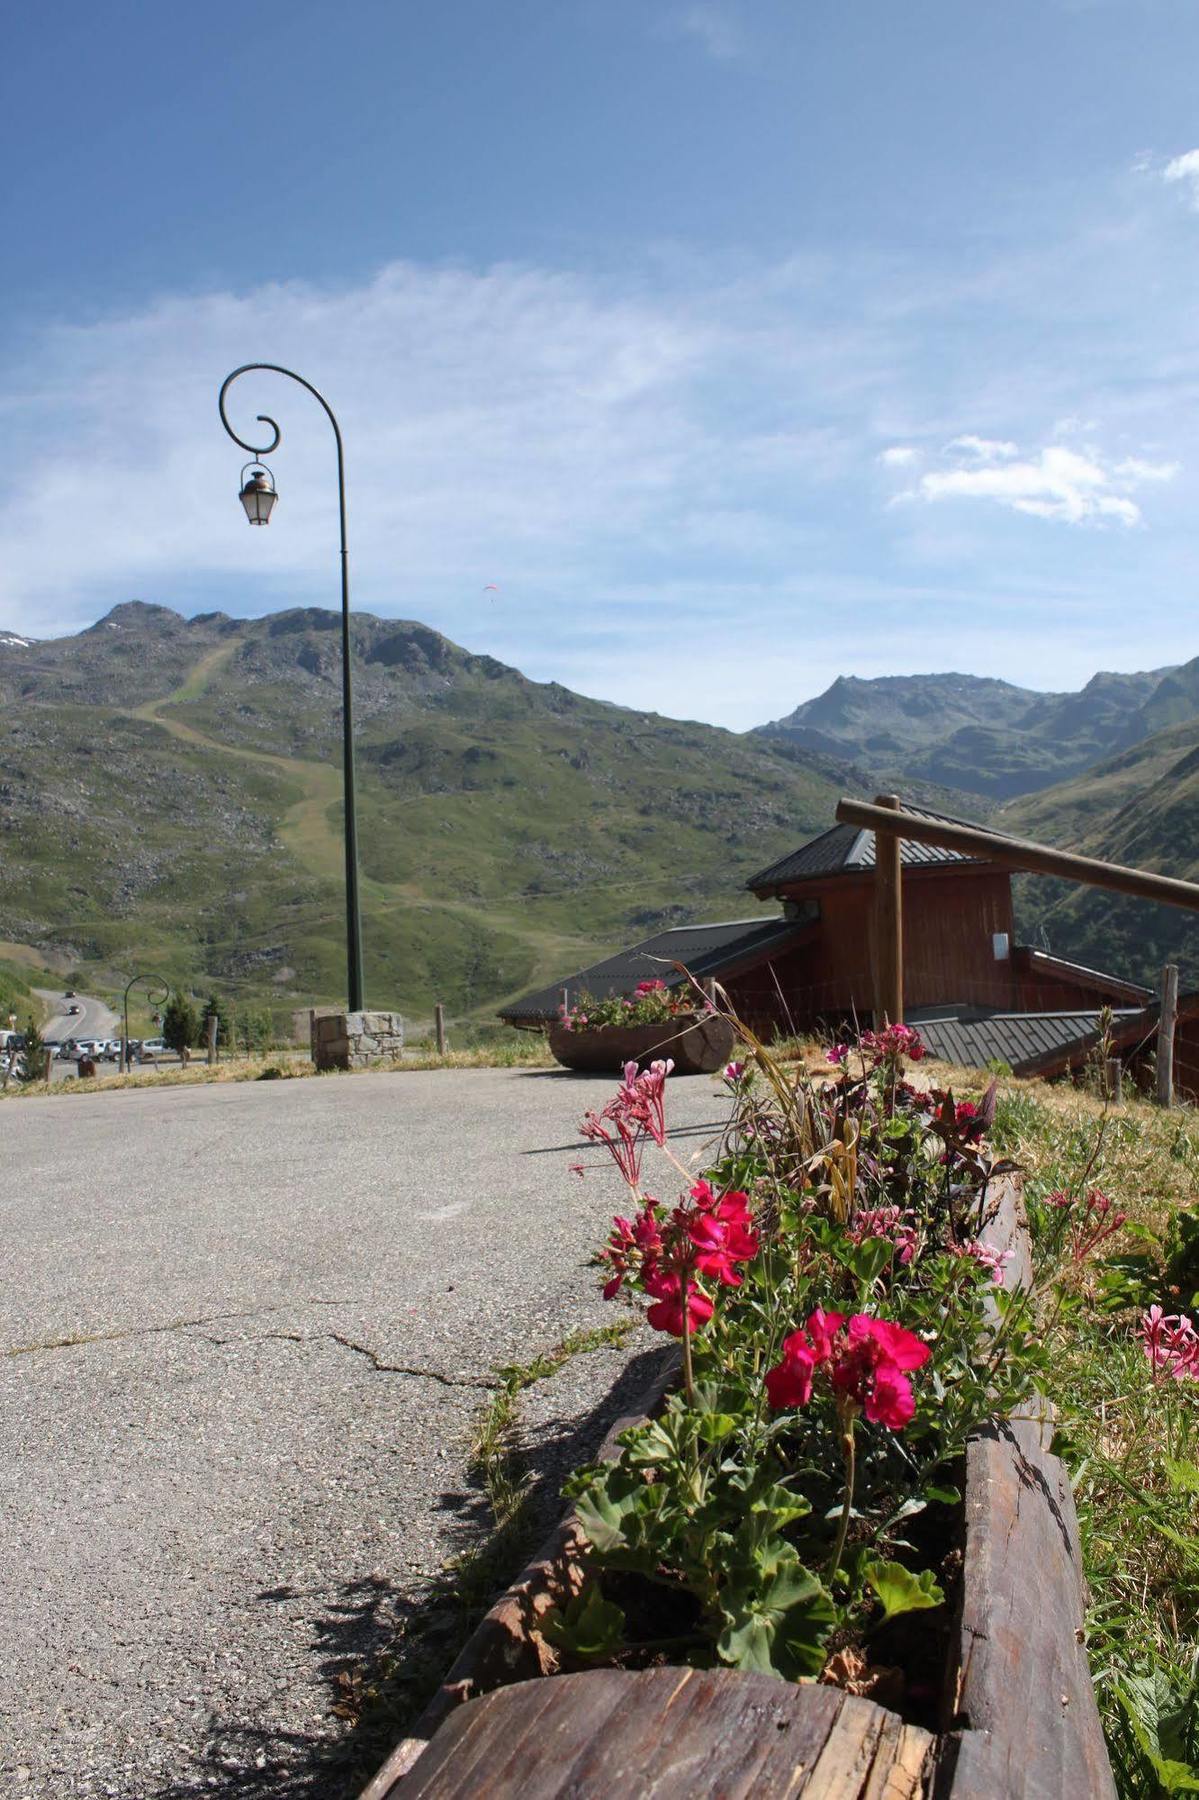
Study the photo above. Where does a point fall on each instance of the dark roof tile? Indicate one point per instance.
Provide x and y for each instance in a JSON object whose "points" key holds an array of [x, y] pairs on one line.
{"points": [[845, 850], [705, 949]]}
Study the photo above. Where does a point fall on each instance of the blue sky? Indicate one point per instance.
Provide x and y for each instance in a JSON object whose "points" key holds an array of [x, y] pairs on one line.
{"points": [[740, 344]]}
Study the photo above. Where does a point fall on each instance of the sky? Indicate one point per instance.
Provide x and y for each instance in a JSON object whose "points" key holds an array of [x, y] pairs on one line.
{"points": [[689, 354]]}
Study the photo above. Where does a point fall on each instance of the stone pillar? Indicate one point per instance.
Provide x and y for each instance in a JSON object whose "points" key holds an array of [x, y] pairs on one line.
{"points": [[356, 1040]]}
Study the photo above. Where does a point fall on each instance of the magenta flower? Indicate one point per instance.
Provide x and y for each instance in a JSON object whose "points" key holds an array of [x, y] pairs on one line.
{"points": [[1171, 1343], [867, 1362], [667, 1312]]}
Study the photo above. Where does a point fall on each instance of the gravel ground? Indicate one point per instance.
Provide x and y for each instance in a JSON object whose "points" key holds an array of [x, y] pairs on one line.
{"points": [[247, 1330]]}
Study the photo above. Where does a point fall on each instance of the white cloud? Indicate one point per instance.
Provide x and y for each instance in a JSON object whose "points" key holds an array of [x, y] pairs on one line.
{"points": [[1185, 168], [985, 449], [1054, 483], [715, 28], [899, 456]]}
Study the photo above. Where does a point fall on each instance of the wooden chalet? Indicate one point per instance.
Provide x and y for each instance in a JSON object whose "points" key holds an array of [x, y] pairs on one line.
{"points": [[975, 995]]}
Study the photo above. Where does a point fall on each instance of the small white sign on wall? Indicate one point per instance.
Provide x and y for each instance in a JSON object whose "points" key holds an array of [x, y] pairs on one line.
{"points": [[999, 942]]}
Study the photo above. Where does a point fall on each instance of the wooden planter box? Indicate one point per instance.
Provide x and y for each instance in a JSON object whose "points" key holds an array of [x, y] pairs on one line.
{"points": [[699, 1043], [1020, 1720]]}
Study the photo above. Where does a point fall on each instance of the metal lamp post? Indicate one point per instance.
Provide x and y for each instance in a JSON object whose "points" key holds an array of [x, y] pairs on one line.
{"points": [[258, 496], [159, 998]]}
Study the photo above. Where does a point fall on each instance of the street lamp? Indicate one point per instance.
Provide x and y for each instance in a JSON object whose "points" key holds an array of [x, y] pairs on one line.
{"points": [[160, 997], [258, 496]]}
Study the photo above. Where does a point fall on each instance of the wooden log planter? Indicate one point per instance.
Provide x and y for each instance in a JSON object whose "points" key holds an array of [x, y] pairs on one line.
{"points": [[1019, 1718], [698, 1044]]}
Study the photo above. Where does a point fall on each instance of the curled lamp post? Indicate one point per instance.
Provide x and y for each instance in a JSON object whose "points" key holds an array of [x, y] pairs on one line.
{"points": [[158, 993], [258, 496]]}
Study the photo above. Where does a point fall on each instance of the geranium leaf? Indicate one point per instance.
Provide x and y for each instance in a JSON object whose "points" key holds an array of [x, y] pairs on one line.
{"points": [[589, 1627], [899, 1590]]}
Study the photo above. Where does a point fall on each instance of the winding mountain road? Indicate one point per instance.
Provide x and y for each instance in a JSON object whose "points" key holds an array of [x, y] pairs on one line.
{"points": [[95, 1019]]}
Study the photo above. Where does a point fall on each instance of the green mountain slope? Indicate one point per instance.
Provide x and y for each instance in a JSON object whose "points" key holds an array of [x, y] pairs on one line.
{"points": [[1140, 808], [170, 798], [988, 737]]}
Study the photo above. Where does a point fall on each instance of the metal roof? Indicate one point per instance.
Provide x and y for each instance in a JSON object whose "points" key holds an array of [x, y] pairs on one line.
{"points": [[1052, 963], [705, 949], [845, 850], [972, 1038]]}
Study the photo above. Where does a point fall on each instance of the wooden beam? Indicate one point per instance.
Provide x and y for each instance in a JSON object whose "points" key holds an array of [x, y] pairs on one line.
{"points": [[1020, 853], [1165, 1035], [888, 922]]}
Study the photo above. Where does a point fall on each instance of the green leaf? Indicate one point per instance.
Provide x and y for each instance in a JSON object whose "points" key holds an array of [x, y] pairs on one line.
{"points": [[778, 1624], [1182, 1476], [899, 1590], [1140, 1699], [607, 1506], [747, 1643], [589, 1627], [945, 1496], [714, 1427], [868, 1259]]}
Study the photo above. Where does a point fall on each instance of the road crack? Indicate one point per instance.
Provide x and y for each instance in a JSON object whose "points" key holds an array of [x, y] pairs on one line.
{"points": [[377, 1364], [79, 1339]]}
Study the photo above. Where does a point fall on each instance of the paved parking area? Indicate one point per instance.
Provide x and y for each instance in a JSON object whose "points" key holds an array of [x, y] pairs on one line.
{"points": [[245, 1331]]}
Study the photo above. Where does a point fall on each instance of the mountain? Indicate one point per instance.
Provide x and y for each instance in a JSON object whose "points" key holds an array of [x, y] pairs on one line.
{"points": [[170, 799], [984, 736], [1140, 808]]}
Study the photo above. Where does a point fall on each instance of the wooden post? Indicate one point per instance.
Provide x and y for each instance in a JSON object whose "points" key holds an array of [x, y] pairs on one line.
{"points": [[888, 922], [48, 1069], [1115, 1079], [1165, 1035], [439, 1025], [210, 1027]]}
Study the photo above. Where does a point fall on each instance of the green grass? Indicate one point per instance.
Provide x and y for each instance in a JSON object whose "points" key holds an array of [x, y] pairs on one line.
{"points": [[1132, 1444]]}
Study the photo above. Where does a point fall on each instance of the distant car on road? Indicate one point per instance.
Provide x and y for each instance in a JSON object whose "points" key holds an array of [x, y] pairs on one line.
{"points": [[74, 1009], [69, 994]]}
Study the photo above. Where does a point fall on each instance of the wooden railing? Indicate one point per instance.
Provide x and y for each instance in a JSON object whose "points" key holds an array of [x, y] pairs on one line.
{"points": [[891, 824]]}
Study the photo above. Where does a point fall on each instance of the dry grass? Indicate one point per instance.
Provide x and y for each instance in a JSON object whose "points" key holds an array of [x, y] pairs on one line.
{"points": [[286, 1065]]}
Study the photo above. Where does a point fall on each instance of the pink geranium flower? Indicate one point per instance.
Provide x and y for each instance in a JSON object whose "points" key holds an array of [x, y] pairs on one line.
{"points": [[867, 1362], [667, 1312]]}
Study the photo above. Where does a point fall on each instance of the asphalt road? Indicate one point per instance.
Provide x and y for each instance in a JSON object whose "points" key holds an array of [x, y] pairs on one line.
{"points": [[93, 1020], [246, 1330]]}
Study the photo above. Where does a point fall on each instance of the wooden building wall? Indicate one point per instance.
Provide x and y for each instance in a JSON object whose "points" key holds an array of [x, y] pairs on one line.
{"points": [[950, 919]]}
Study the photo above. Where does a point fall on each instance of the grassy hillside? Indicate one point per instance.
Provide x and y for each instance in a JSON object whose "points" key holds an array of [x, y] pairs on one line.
{"points": [[170, 798], [1140, 808]]}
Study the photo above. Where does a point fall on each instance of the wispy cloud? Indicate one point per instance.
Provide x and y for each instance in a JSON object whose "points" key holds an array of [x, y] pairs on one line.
{"points": [[987, 450], [1052, 483], [715, 28], [899, 456], [1185, 169]]}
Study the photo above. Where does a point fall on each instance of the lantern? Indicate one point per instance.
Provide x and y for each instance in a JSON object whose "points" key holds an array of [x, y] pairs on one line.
{"points": [[258, 494]]}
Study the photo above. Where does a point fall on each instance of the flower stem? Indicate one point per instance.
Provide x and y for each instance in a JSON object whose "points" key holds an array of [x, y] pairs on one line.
{"points": [[688, 1384], [848, 1452]]}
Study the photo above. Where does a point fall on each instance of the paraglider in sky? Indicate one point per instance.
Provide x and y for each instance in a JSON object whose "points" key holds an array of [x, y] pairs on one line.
{"points": [[491, 588]]}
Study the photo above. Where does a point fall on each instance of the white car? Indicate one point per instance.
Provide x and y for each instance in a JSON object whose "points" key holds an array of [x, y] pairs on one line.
{"points": [[152, 1047]]}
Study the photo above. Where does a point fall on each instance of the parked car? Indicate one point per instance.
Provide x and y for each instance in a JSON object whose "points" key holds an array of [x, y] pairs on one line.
{"points": [[151, 1047]]}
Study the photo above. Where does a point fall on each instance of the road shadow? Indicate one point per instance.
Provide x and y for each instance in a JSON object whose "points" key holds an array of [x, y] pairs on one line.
{"points": [[380, 1648]]}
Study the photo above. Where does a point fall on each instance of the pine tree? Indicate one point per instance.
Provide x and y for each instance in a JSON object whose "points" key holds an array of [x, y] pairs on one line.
{"points": [[33, 1055], [180, 1023]]}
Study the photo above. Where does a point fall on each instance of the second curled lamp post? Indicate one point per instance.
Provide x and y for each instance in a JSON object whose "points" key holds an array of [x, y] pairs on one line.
{"points": [[258, 496]]}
